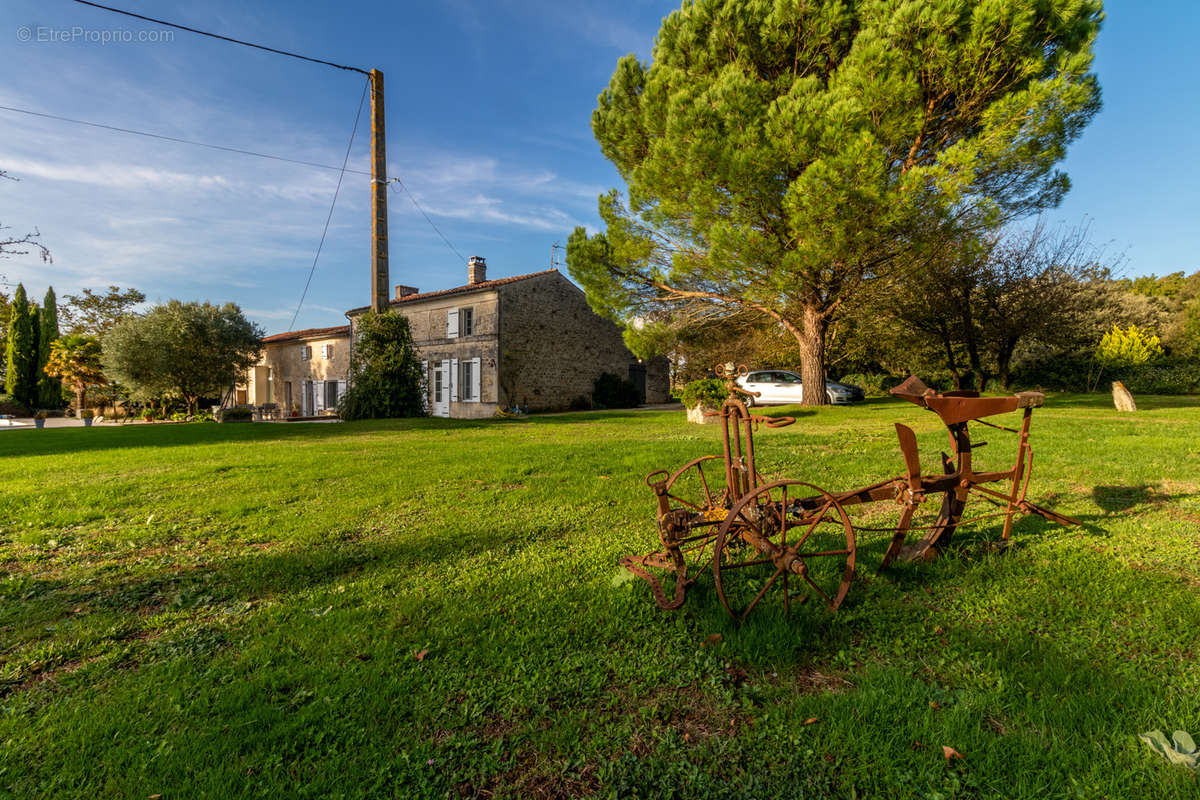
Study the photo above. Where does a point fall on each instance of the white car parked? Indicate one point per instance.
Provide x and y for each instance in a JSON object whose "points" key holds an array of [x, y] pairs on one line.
{"points": [[777, 386]]}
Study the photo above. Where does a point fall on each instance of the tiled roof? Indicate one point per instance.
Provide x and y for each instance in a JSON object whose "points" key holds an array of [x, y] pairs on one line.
{"points": [[470, 287], [308, 333]]}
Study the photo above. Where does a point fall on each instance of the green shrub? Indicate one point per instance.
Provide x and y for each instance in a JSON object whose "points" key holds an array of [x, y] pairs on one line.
{"points": [[580, 403], [9, 405], [237, 414], [611, 391], [873, 384], [1169, 376], [386, 379], [1081, 372], [708, 392], [1128, 347]]}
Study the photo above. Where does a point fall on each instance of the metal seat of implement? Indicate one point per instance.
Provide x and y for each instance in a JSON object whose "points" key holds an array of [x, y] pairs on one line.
{"points": [[956, 407]]}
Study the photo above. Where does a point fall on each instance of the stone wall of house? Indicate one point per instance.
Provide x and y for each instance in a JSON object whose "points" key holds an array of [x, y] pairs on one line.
{"points": [[554, 346], [427, 318], [287, 366], [658, 380], [428, 321]]}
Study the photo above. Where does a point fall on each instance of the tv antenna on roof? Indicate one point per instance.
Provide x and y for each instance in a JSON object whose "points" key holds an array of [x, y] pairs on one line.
{"points": [[555, 261]]}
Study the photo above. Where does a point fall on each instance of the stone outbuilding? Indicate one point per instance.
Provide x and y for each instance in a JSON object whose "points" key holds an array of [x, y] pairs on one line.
{"points": [[301, 372], [529, 341]]}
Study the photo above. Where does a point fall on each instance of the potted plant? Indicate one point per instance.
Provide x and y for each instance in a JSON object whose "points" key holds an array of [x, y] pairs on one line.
{"points": [[148, 414], [39, 419], [703, 397], [86, 415]]}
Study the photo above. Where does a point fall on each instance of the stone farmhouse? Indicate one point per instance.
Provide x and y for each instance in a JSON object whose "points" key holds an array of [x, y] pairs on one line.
{"points": [[301, 372], [529, 341]]}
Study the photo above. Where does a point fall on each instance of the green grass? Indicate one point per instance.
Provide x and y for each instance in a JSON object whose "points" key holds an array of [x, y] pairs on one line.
{"points": [[234, 611]]}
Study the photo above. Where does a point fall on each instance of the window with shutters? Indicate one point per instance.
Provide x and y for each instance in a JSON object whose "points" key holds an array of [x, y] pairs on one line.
{"points": [[305, 352], [466, 321], [331, 394], [326, 351], [468, 380]]}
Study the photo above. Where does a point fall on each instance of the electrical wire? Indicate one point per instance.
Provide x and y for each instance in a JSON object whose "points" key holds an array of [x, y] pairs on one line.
{"points": [[222, 38], [332, 205], [343, 169], [427, 219], [180, 141]]}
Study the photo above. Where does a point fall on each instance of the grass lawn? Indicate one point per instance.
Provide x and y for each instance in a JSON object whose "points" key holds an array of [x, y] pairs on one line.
{"points": [[432, 608]]}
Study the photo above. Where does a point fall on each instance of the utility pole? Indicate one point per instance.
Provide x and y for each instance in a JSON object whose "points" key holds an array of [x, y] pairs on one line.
{"points": [[379, 221]]}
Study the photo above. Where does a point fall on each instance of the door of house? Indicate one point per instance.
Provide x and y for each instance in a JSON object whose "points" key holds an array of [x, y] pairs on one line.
{"points": [[637, 376], [441, 389], [310, 399]]}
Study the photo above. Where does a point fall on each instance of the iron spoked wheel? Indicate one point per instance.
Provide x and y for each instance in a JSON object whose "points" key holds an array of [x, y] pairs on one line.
{"points": [[773, 541], [697, 506]]}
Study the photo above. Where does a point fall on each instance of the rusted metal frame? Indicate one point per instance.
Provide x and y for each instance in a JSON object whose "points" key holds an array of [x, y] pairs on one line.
{"points": [[1023, 448]]}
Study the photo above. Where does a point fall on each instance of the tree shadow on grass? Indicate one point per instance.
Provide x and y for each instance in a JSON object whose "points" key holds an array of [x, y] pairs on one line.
{"points": [[1114, 499], [59, 441]]}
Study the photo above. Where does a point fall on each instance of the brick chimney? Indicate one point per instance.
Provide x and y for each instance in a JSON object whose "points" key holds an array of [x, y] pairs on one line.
{"points": [[476, 270], [404, 291]]}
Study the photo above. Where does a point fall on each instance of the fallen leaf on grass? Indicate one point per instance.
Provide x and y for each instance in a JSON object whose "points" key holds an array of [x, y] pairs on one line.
{"points": [[1180, 750], [810, 721], [420, 655], [934, 705], [950, 752], [153, 797], [712, 640]]}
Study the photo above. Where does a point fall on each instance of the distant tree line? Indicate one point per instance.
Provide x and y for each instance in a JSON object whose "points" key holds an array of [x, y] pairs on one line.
{"points": [[1022, 308], [103, 349]]}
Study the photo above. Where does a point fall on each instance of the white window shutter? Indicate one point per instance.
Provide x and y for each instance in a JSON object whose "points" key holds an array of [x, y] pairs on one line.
{"points": [[476, 379], [454, 379], [341, 392], [318, 397], [304, 352], [452, 324]]}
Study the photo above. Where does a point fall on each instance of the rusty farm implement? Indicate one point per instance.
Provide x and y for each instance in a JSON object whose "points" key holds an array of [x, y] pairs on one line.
{"points": [[794, 540]]}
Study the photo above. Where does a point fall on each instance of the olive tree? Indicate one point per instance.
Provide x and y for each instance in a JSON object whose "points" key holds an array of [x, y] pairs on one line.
{"points": [[187, 350]]}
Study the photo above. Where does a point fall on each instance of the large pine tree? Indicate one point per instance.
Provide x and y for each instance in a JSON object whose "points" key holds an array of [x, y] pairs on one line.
{"points": [[21, 380], [783, 157], [49, 388]]}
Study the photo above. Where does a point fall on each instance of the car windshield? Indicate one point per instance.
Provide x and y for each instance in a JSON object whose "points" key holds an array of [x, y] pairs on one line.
{"points": [[786, 377]]}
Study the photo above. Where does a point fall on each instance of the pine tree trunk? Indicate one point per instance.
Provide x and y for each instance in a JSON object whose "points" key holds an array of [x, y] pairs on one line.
{"points": [[811, 339]]}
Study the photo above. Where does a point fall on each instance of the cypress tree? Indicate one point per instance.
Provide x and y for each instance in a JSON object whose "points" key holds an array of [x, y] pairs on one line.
{"points": [[49, 388], [22, 351]]}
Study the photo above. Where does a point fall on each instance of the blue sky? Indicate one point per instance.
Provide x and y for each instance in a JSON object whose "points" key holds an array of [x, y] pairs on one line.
{"points": [[488, 125]]}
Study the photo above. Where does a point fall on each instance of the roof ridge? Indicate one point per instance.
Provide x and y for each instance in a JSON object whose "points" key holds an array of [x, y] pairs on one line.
{"points": [[468, 287], [305, 333]]}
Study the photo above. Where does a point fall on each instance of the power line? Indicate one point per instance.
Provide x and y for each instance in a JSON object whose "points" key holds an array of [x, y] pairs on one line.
{"points": [[180, 141], [332, 205], [343, 169], [427, 219], [222, 38]]}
